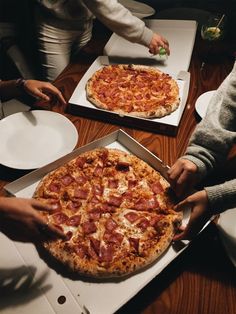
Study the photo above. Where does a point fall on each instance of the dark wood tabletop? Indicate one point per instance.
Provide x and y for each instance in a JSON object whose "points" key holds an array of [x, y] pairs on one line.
{"points": [[202, 279]]}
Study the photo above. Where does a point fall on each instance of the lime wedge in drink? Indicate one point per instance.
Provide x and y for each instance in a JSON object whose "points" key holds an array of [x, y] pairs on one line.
{"points": [[212, 33]]}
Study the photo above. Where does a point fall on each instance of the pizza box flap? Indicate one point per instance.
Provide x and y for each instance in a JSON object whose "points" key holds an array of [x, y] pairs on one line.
{"points": [[78, 103], [180, 35], [82, 296], [119, 136]]}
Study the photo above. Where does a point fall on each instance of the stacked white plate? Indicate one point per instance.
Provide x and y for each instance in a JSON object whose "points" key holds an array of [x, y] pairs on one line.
{"points": [[202, 103], [138, 9], [32, 139]]}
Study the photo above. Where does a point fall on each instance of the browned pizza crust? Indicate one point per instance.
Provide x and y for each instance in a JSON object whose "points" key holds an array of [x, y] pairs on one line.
{"points": [[137, 90], [115, 210]]}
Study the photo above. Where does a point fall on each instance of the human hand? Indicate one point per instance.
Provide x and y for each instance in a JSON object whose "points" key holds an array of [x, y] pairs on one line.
{"points": [[200, 214], [158, 42], [182, 176], [43, 90], [21, 221]]}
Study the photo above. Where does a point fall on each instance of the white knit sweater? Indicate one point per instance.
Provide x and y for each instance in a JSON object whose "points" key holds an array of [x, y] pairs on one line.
{"points": [[76, 14]]}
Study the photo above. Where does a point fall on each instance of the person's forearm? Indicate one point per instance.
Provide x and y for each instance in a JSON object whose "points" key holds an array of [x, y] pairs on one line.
{"points": [[120, 20], [11, 89]]}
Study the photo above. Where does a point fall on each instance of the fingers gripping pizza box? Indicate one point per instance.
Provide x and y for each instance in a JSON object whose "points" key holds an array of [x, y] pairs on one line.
{"points": [[80, 103], [51, 289]]}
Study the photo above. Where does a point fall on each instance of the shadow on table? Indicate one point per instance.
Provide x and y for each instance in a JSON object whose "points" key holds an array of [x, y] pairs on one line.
{"points": [[204, 257], [10, 174], [17, 286]]}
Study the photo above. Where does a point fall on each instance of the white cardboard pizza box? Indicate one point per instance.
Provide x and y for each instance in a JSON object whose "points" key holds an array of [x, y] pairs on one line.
{"points": [[48, 284], [81, 106], [180, 35]]}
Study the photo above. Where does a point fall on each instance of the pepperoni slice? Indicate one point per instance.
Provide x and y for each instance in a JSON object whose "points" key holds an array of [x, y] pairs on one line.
{"points": [[157, 188], [134, 243], [59, 218], [74, 205], [143, 224], [132, 217], [98, 171], [106, 208], [95, 243], [104, 155], [154, 220], [106, 253], [81, 250], [69, 235], [80, 161], [114, 200], [146, 204], [152, 203], [54, 187], [128, 195], [81, 193], [81, 179], [98, 189], [113, 183], [94, 200], [94, 215], [115, 237], [67, 180], [74, 221], [110, 224], [132, 183], [89, 227]]}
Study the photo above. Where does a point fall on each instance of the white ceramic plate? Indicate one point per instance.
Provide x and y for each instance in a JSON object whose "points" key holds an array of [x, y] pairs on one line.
{"points": [[138, 9], [33, 139], [202, 103], [227, 229]]}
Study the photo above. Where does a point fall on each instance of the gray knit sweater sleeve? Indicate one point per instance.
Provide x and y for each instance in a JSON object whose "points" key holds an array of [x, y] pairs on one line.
{"points": [[212, 140]]}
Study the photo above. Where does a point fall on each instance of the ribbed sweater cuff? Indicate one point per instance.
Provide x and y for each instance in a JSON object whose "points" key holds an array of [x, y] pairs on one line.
{"points": [[146, 36], [221, 198]]}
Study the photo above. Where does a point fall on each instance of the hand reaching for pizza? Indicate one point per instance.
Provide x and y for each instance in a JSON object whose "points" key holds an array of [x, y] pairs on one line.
{"points": [[21, 221], [43, 90], [200, 214], [183, 176], [157, 43]]}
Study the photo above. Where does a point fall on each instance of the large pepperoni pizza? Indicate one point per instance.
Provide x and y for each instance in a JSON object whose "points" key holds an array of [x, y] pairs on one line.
{"points": [[136, 90], [115, 210]]}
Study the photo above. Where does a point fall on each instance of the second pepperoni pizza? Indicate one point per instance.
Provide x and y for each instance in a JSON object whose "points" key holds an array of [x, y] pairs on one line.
{"points": [[136, 90]]}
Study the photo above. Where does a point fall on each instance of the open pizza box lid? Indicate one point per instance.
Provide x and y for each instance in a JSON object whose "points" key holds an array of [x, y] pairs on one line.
{"points": [[180, 35], [46, 284]]}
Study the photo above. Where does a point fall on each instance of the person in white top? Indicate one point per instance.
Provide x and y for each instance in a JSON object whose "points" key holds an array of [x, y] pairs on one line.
{"points": [[64, 27]]}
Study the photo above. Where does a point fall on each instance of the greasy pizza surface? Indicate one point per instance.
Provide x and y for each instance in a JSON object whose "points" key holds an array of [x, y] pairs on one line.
{"points": [[136, 90], [115, 210]]}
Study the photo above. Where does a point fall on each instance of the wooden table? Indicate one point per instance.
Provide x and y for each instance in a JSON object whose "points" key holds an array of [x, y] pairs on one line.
{"points": [[202, 279]]}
